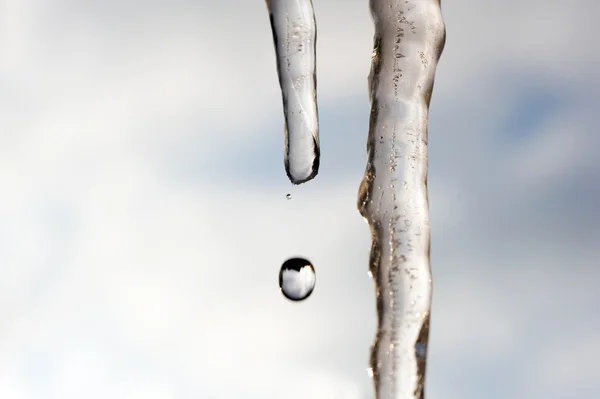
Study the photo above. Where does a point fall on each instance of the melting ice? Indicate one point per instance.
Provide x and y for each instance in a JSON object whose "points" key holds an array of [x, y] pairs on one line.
{"points": [[294, 35], [409, 39]]}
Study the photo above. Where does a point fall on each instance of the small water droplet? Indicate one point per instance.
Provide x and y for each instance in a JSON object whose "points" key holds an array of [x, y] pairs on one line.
{"points": [[289, 196], [297, 279]]}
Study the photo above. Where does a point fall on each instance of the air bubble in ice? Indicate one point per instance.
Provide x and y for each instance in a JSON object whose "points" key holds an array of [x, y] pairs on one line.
{"points": [[297, 279]]}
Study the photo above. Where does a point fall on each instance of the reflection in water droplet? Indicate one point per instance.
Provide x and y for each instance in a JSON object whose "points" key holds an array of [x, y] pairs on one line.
{"points": [[289, 196], [297, 279]]}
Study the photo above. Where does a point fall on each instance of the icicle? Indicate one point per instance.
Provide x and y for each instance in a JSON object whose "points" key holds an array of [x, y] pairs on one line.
{"points": [[409, 39], [294, 35]]}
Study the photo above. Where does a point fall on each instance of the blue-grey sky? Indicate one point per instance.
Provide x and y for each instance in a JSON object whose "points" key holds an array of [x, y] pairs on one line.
{"points": [[143, 215]]}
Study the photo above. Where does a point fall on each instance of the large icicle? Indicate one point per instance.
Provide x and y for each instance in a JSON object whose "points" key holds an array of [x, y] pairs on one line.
{"points": [[409, 39], [294, 34]]}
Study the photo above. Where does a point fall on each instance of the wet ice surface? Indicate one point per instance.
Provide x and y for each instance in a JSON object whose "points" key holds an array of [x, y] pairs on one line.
{"points": [[294, 35], [409, 38], [297, 279]]}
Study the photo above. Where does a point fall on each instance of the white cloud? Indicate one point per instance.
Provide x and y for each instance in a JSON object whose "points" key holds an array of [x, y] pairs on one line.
{"points": [[139, 286], [11, 386], [568, 366]]}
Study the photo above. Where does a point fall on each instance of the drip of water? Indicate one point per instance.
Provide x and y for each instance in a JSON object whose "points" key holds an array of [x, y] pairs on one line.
{"points": [[409, 39], [294, 36], [297, 279], [289, 196]]}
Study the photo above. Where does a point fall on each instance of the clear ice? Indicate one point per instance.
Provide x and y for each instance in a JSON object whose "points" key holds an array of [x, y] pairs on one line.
{"points": [[297, 279], [294, 36], [409, 39]]}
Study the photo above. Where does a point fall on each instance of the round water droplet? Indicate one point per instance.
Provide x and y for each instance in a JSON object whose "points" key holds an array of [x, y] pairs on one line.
{"points": [[289, 196], [297, 279]]}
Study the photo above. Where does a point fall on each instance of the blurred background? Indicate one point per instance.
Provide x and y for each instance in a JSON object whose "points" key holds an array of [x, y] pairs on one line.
{"points": [[144, 219]]}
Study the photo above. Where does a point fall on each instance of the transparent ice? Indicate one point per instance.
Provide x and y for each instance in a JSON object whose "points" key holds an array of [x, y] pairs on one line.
{"points": [[409, 39], [297, 279], [294, 35]]}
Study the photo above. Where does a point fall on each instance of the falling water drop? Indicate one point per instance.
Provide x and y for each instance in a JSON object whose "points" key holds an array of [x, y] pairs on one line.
{"points": [[289, 196], [297, 279]]}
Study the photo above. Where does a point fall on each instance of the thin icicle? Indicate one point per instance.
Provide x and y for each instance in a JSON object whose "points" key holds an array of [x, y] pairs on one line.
{"points": [[294, 35], [409, 39]]}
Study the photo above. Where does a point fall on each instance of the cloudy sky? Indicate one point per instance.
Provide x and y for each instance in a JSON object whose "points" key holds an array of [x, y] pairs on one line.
{"points": [[143, 210]]}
